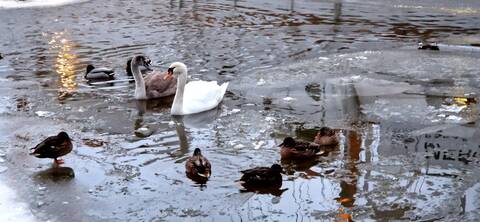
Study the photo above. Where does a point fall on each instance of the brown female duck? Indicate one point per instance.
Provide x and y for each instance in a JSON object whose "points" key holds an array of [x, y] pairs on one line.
{"points": [[54, 147], [326, 137], [295, 149], [262, 177], [198, 166]]}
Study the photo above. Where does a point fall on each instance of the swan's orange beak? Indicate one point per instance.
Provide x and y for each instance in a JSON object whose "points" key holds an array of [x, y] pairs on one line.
{"points": [[169, 75]]}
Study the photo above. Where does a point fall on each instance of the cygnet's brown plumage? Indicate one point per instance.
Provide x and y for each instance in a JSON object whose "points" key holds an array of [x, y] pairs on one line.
{"points": [[153, 85]]}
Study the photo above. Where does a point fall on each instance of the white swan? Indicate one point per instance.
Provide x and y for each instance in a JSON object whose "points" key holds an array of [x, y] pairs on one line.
{"points": [[154, 85], [196, 96]]}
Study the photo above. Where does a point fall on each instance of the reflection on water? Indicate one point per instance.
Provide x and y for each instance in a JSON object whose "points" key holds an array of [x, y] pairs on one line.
{"points": [[56, 174], [408, 128], [64, 63]]}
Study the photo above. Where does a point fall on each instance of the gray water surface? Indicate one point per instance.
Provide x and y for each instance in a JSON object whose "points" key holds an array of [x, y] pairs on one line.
{"points": [[407, 119]]}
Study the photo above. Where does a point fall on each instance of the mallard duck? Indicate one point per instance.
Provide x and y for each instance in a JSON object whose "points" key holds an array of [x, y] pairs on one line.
{"points": [[291, 148], [262, 177], [198, 165], [326, 137], [423, 45], [93, 73], [54, 147]]}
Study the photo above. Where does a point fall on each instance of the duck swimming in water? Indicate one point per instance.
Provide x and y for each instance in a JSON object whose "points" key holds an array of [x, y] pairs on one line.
{"points": [[326, 137], [423, 45], [262, 177], [295, 149], [103, 73], [54, 147], [198, 165]]}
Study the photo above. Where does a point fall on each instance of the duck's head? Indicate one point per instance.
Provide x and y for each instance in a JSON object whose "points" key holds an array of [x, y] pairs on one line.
{"points": [[63, 136], [326, 131], [277, 168], [288, 142], [141, 60], [176, 69], [90, 68], [197, 152]]}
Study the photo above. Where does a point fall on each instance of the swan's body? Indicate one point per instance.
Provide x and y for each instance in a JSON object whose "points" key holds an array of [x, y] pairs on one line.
{"points": [[195, 96], [154, 85]]}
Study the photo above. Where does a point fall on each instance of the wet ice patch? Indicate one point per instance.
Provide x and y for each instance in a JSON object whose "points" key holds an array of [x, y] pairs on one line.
{"points": [[11, 209], [35, 3], [289, 99], [44, 113]]}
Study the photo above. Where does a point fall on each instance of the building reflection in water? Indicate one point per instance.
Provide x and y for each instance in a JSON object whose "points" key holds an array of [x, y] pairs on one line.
{"points": [[64, 64]]}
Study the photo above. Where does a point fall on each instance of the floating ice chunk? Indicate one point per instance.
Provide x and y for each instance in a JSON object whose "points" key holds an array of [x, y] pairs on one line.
{"points": [[361, 57], [453, 118], [270, 119], [42, 188], [239, 146], [258, 144], [453, 109], [235, 111], [289, 99], [261, 82], [143, 132], [44, 113], [40, 204], [3, 169]]}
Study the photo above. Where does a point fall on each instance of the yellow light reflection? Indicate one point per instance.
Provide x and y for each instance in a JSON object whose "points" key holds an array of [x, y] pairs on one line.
{"points": [[64, 64], [464, 101]]}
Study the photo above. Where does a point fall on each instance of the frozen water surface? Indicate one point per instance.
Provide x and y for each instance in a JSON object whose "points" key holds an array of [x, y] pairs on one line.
{"points": [[407, 119]]}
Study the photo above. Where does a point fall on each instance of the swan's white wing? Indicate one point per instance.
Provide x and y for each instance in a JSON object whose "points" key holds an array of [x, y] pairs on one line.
{"points": [[200, 96]]}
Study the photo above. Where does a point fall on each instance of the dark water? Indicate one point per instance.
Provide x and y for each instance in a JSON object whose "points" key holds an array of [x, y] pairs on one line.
{"points": [[408, 118]]}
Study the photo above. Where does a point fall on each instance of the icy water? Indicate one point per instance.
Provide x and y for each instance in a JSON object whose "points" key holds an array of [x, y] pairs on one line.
{"points": [[408, 119]]}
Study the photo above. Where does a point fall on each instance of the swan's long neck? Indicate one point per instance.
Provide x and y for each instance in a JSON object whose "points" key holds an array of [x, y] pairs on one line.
{"points": [[177, 107], [140, 91]]}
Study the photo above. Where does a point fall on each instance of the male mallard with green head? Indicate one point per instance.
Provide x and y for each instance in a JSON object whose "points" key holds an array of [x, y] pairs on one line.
{"points": [[54, 147]]}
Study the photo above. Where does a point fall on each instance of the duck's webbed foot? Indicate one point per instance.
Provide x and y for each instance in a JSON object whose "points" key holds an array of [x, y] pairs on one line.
{"points": [[58, 161]]}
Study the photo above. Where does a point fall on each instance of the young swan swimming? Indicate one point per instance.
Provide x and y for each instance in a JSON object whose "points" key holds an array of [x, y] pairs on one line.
{"points": [[154, 85]]}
